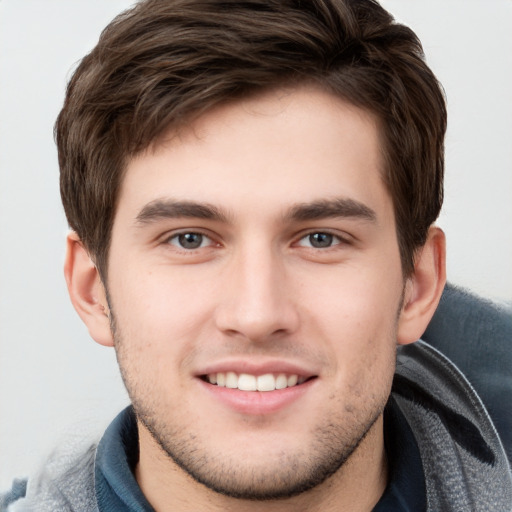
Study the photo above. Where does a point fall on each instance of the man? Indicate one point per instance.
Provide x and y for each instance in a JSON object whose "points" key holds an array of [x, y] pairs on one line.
{"points": [[252, 188]]}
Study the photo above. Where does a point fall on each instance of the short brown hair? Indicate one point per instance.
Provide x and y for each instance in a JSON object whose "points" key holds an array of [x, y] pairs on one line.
{"points": [[163, 62]]}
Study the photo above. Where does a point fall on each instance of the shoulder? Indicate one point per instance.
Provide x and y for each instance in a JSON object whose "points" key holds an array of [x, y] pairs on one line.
{"points": [[476, 334], [65, 482], [15, 493], [464, 463]]}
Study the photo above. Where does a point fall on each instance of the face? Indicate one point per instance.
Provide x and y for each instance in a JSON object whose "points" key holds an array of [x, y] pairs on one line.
{"points": [[255, 286]]}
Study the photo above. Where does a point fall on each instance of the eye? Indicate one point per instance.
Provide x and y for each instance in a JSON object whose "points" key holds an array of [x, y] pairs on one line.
{"points": [[190, 240], [319, 240]]}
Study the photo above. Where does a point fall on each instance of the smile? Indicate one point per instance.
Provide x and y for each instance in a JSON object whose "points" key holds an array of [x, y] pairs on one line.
{"points": [[247, 382]]}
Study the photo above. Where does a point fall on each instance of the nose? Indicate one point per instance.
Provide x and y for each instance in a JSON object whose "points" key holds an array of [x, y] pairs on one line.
{"points": [[257, 301]]}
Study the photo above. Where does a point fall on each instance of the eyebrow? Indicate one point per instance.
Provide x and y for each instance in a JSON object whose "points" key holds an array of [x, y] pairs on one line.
{"points": [[160, 209], [170, 209], [331, 208]]}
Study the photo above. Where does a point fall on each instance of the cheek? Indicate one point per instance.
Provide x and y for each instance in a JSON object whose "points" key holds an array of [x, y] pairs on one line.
{"points": [[159, 311], [160, 320], [360, 302], [357, 316]]}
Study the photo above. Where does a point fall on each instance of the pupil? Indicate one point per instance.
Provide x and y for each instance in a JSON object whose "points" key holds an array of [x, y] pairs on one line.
{"points": [[320, 240], [190, 240]]}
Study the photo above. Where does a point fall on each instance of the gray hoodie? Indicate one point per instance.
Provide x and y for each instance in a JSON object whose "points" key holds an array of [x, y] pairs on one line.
{"points": [[464, 463]]}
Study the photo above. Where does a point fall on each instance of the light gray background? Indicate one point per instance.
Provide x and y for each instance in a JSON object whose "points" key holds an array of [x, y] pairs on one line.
{"points": [[53, 378]]}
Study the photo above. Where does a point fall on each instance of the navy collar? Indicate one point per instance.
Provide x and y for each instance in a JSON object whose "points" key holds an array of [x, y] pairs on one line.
{"points": [[118, 454], [406, 488]]}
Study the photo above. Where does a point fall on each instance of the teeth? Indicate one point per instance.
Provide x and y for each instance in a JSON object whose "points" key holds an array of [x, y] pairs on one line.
{"points": [[231, 380], [266, 382], [292, 380], [281, 381], [246, 382]]}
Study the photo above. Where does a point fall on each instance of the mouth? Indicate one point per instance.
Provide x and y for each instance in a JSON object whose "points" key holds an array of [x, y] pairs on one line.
{"points": [[255, 389], [248, 382]]}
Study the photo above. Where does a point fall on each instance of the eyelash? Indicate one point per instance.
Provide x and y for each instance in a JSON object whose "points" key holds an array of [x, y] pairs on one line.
{"points": [[333, 240], [176, 236]]}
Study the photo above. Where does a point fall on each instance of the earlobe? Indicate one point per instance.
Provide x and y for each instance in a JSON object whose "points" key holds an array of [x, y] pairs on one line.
{"points": [[423, 288], [86, 291]]}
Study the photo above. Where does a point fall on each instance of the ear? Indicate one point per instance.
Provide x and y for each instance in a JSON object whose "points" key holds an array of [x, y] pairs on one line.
{"points": [[86, 291], [423, 288]]}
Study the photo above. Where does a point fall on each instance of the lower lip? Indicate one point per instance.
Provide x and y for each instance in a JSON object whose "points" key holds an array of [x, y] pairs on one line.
{"points": [[257, 402]]}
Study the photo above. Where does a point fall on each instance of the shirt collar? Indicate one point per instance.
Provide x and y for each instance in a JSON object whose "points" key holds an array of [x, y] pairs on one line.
{"points": [[405, 491], [118, 454]]}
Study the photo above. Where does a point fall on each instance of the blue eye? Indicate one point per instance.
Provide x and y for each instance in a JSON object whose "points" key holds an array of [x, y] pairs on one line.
{"points": [[319, 240], [190, 240]]}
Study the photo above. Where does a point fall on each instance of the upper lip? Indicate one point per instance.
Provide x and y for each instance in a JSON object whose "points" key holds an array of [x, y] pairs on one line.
{"points": [[253, 367]]}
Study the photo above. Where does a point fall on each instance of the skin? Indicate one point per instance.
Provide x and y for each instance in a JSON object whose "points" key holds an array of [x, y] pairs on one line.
{"points": [[257, 184]]}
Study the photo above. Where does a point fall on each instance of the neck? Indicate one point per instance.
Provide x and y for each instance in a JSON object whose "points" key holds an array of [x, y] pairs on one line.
{"points": [[356, 486]]}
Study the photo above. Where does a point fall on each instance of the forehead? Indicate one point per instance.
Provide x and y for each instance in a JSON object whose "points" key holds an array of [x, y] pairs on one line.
{"points": [[275, 149]]}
